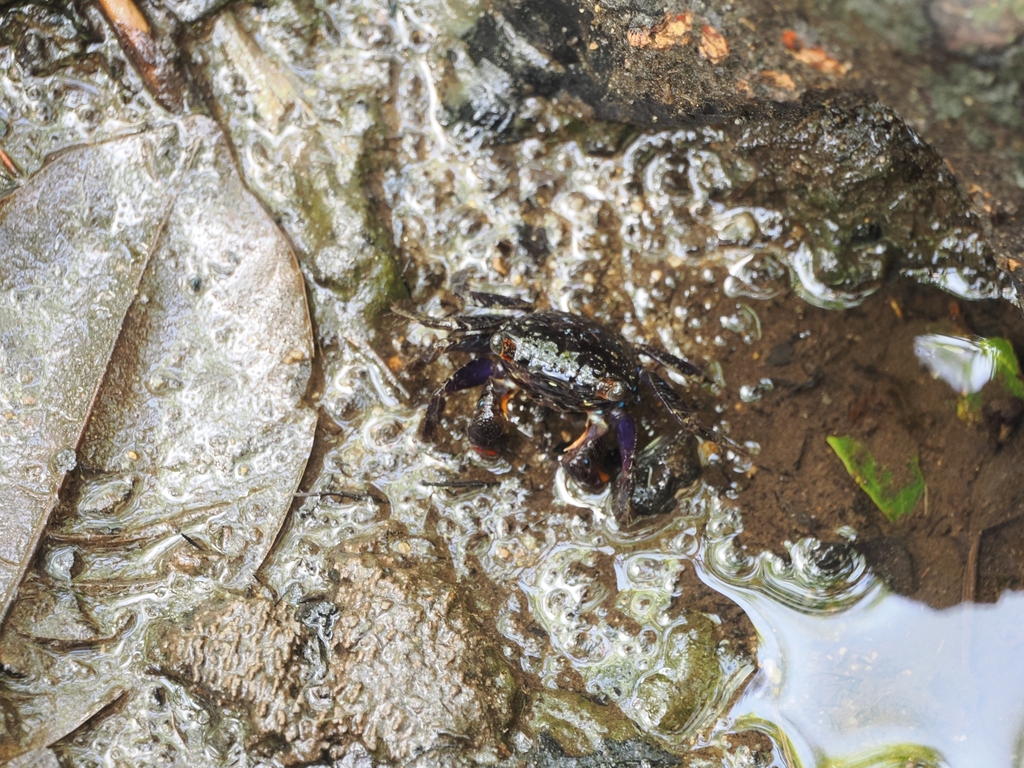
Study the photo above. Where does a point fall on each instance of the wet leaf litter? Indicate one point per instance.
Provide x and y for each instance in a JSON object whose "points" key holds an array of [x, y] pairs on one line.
{"points": [[53, 366], [159, 487]]}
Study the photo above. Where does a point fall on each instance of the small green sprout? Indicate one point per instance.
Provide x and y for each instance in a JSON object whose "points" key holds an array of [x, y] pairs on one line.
{"points": [[1006, 365], [968, 408], [967, 364], [876, 481]]}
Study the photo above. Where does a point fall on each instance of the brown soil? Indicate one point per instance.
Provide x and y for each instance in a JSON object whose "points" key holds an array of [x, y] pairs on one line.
{"points": [[855, 373]]}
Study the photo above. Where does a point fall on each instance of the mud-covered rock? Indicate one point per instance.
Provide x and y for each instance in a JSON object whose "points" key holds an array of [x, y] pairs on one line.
{"points": [[837, 181], [393, 660], [650, 646], [547, 753], [650, 63], [43, 39], [743, 749], [865, 195], [861, 192], [972, 25], [578, 724]]}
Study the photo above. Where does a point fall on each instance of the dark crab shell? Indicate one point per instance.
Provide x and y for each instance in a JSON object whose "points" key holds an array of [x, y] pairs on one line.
{"points": [[568, 362]]}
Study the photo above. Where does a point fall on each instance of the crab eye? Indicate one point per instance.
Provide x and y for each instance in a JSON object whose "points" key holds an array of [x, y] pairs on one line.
{"points": [[611, 389]]}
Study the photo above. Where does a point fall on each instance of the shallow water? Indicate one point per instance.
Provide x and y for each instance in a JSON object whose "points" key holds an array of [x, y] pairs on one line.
{"points": [[888, 675]]}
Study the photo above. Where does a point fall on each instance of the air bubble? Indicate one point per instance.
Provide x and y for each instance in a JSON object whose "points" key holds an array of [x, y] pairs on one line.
{"points": [[753, 393], [759, 275], [65, 460]]}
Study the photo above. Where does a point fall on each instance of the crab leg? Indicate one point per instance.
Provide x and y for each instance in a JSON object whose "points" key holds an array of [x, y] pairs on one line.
{"points": [[671, 361], [457, 324], [680, 410], [473, 342], [472, 374], [477, 342], [490, 300], [625, 436]]}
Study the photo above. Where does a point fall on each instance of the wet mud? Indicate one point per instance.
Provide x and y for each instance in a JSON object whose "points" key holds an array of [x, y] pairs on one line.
{"points": [[854, 373]]}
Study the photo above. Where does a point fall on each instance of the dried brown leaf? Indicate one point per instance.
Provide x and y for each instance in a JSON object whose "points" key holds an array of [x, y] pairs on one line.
{"points": [[673, 29], [777, 79], [817, 58], [812, 56], [640, 37], [713, 45]]}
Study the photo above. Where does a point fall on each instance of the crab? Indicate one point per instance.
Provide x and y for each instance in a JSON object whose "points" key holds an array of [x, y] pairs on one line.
{"points": [[566, 362]]}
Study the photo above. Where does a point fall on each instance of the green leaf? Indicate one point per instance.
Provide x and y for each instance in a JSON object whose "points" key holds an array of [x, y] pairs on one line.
{"points": [[1007, 368], [890, 756], [876, 481]]}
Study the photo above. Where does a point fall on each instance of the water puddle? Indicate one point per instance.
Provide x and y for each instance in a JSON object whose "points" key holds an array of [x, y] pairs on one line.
{"points": [[889, 680]]}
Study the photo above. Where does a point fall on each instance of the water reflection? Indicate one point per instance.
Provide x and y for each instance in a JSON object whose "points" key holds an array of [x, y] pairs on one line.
{"points": [[868, 685]]}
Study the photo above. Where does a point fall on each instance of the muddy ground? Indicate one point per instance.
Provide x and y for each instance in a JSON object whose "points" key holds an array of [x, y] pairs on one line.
{"points": [[854, 373], [850, 372], [955, 80]]}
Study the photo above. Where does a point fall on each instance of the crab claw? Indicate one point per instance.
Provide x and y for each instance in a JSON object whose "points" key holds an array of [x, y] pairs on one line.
{"points": [[472, 374], [490, 421], [625, 436], [582, 460]]}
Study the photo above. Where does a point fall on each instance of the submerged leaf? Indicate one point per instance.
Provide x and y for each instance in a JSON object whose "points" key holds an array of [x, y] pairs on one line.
{"points": [[876, 480], [75, 240], [193, 445], [889, 756]]}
